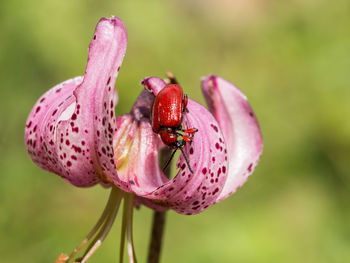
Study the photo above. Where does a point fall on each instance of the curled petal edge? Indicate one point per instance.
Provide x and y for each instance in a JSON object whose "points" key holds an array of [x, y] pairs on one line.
{"points": [[240, 129], [65, 132]]}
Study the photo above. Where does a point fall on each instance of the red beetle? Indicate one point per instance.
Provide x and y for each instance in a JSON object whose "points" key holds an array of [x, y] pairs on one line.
{"points": [[167, 111]]}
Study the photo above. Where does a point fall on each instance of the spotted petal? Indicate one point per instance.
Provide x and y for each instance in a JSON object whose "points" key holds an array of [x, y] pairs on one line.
{"points": [[136, 148], [72, 123], [240, 128], [189, 193]]}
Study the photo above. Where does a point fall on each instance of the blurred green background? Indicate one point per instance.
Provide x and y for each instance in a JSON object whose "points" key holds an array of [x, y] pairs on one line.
{"points": [[291, 58]]}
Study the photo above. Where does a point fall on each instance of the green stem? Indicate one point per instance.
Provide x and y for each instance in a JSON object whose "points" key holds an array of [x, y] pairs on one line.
{"points": [[159, 219]]}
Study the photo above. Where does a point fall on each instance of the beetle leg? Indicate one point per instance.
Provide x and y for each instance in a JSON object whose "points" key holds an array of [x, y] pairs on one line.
{"points": [[187, 138], [190, 131], [169, 160], [178, 147], [187, 162]]}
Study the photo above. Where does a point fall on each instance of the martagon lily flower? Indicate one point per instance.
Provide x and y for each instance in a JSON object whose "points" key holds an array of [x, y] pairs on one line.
{"points": [[72, 131]]}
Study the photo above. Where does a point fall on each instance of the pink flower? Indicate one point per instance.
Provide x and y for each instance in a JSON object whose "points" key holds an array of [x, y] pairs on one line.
{"points": [[72, 131]]}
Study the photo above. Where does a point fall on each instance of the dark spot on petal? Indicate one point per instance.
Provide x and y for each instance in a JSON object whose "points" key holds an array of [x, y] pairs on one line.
{"points": [[216, 190], [250, 167], [214, 127], [76, 149], [219, 172]]}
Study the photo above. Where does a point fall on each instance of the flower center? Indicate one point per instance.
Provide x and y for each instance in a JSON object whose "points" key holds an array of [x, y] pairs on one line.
{"points": [[125, 146]]}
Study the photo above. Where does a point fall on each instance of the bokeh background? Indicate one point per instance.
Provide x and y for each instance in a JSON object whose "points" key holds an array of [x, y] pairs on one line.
{"points": [[291, 58]]}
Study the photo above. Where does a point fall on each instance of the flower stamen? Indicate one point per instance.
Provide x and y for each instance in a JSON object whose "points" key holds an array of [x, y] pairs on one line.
{"points": [[104, 224], [97, 226], [129, 203], [117, 196]]}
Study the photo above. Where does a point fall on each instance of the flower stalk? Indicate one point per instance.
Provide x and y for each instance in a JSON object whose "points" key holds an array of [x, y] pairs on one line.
{"points": [[159, 218], [104, 224]]}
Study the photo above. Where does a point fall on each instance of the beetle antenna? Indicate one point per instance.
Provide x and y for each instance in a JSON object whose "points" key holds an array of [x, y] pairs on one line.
{"points": [[169, 160], [172, 156], [188, 164]]}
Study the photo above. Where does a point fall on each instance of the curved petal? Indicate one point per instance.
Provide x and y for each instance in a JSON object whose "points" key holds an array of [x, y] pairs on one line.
{"points": [[97, 95], [136, 148], [189, 193], [136, 155], [41, 137], [240, 128], [153, 84], [77, 124]]}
